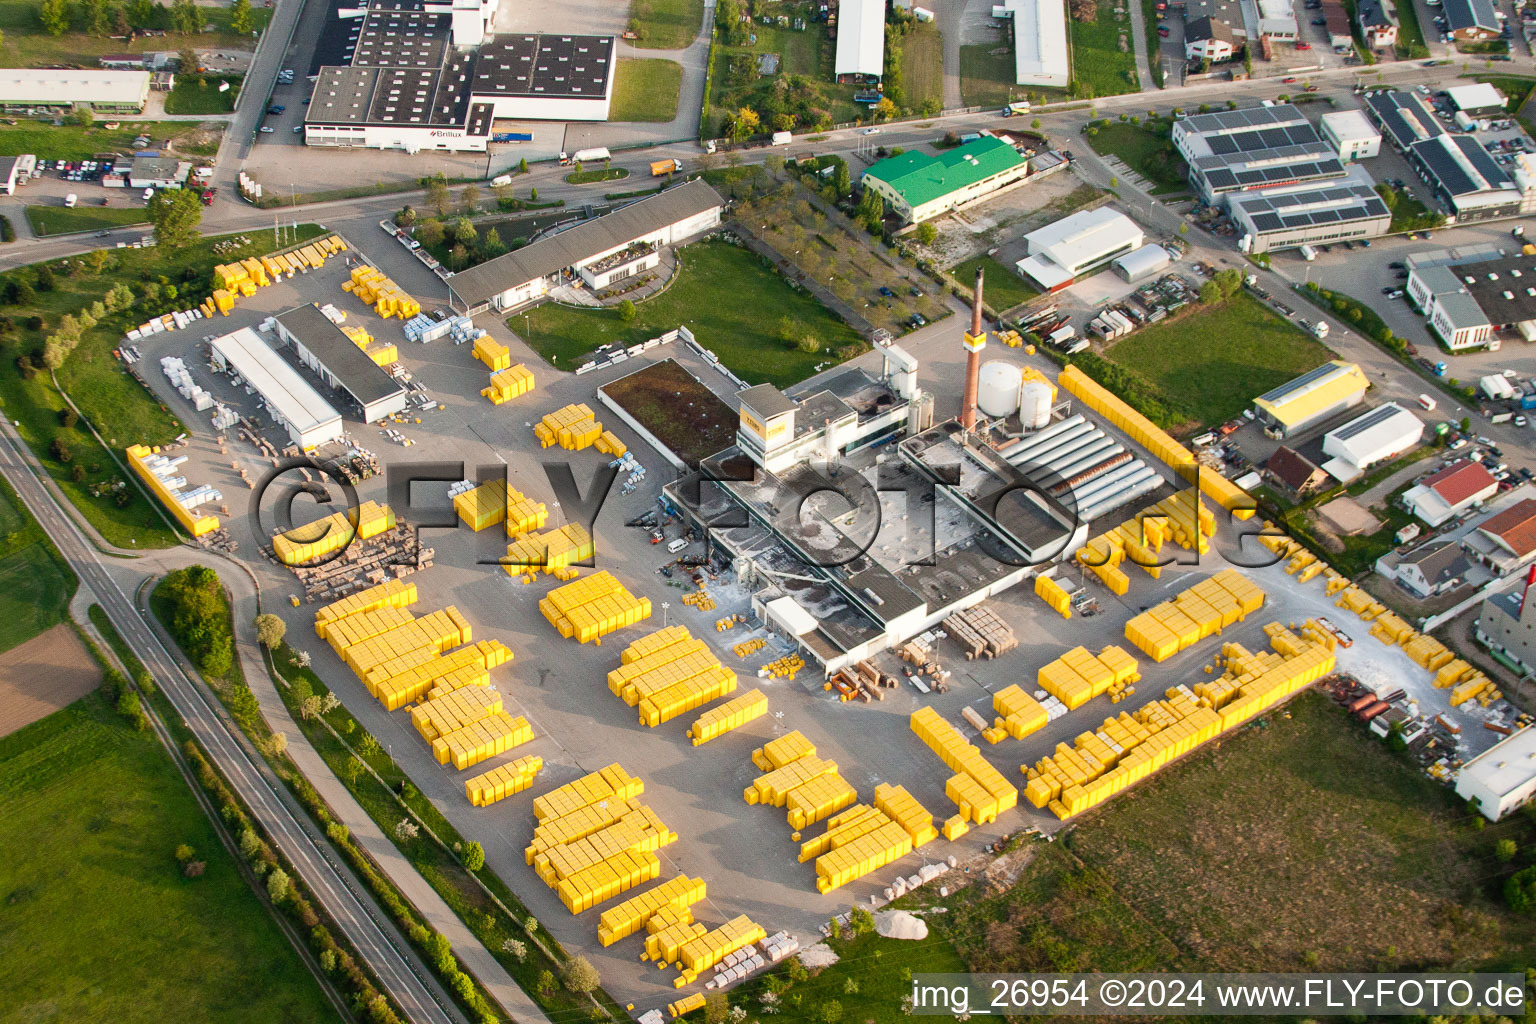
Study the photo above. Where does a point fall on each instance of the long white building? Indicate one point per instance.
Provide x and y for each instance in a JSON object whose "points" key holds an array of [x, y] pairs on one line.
{"points": [[1040, 53], [107, 92], [860, 40], [296, 406], [1061, 251]]}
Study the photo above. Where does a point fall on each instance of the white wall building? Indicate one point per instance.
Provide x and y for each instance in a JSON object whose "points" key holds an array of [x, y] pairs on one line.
{"points": [[1352, 135], [1375, 437], [1040, 54], [109, 92], [1059, 252], [860, 39], [323, 347], [1479, 100], [1503, 777], [296, 406]]}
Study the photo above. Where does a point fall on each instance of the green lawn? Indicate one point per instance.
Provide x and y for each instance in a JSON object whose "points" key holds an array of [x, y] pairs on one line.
{"points": [[646, 90], [922, 66], [665, 24], [1409, 213], [1517, 91], [1147, 150], [73, 142], [987, 76], [63, 220], [1214, 361], [122, 410], [1249, 856], [1410, 39], [741, 332], [199, 94], [35, 583], [802, 88], [1003, 288], [98, 922], [1099, 67], [27, 45], [600, 174]]}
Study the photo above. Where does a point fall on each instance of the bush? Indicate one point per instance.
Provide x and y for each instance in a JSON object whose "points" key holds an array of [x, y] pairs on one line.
{"points": [[199, 620], [579, 975], [474, 856], [7, 230], [1520, 889]]}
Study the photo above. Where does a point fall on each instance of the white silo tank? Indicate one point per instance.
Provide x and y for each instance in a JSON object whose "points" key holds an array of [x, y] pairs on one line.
{"points": [[1035, 405], [997, 388]]}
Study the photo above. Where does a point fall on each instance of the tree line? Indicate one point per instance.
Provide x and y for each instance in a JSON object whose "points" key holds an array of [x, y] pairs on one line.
{"points": [[125, 17]]}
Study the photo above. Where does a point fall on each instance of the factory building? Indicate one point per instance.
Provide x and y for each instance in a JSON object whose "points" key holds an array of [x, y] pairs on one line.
{"points": [[1446, 493], [1464, 176], [418, 75], [1479, 100], [1040, 53], [1231, 151], [1315, 214], [290, 400], [60, 91], [860, 53], [1502, 778], [667, 218], [918, 186], [322, 346], [1074, 245], [1375, 437], [1310, 399], [1351, 134], [1471, 296]]}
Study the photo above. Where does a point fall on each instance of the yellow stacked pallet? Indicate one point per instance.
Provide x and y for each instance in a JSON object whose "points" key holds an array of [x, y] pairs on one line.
{"points": [[332, 533], [548, 552], [639, 830], [607, 879], [354, 629], [492, 735], [610, 783], [608, 443], [778, 753], [902, 807], [773, 788], [668, 931], [591, 608], [978, 789], [1202, 610], [442, 630], [492, 353], [1157, 441], [1466, 691], [1051, 593], [1020, 713], [393, 593], [650, 644], [195, 525], [629, 917], [686, 1005], [503, 781], [572, 427], [373, 288], [482, 506], [749, 647], [512, 382], [704, 952], [844, 828], [732, 714], [430, 673], [561, 829], [871, 851], [686, 694], [1077, 676], [454, 710], [819, 798]]}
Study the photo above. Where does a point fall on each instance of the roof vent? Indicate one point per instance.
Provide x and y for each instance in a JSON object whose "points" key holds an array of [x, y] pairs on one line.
{"points": [[1509, 295]]}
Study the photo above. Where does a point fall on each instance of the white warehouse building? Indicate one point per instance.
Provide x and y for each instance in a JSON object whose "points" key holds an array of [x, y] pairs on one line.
{"points": [[860, 40], [1503, 777], [1369, 439], [1074, 245], [1040, 53], [632, 233], [296, 406], [1351, 134]]}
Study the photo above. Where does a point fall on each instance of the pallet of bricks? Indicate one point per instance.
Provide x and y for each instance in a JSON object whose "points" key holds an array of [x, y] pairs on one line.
{"points": [[324, 536], [1078, 676], [374, 289], [392, 553], [1200, 611], [979, 790], [1181, 518], [591, 608], [556, 552], [669, 673], [496, 502], [980, 632], [575, 427], [1019, 714], [508, 383], [492, 353], [242, 278], [1128, 748]]}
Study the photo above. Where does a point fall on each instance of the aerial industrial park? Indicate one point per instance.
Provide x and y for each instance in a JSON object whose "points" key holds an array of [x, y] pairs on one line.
{"points": [[657, 511]]}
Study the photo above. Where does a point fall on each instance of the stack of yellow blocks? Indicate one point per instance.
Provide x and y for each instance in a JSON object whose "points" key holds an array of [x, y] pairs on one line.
{"points": [[1051, 593], [382, 354], [493, 502], [608, 443], [502, 781], [978, 790], [609, 784], [667, 674], [550, 552], [1020, 715], [778, 753], [686, 1005], [591, 608], [817, 799], [332, 533], [387, 298], [718, 721], [573, 427], [1077, 676], [666, 932], [785, 667], [394, 594], [495, 734], [442, 631], [507, 384], [1182, 518], [428, 673], [454, 710], [492, 353], [747, 647], [194, 524], [355, 629], [772, 788], [1198, 612], [1157, 441], [701, 953], [623, 920], [245, 276]]}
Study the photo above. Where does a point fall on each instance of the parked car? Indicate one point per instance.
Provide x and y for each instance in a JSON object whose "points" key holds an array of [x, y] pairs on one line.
{"points": [[267, 129]]}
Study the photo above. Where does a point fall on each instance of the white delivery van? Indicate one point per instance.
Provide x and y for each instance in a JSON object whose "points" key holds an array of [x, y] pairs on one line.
{"points": [[677, 545], [1427, 402], [71, 199], [503, 179]]}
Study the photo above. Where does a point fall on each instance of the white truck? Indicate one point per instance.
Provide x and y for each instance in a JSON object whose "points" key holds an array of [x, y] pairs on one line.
{"points": [[782, 138], [584, 156], [1320, 329]]}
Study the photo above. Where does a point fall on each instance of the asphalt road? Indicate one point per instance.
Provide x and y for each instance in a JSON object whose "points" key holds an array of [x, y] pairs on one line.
{"points": [[375, 939]]}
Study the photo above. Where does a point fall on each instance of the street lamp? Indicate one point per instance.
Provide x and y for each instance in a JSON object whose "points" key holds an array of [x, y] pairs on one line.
{"points": [[664, 607]]}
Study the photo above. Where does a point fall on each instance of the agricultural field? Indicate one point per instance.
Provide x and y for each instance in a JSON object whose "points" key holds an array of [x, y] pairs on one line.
{"points": [[122, 410], [665, 24], [26, 44], [740, 332], [35, 583], [64, 220], [1213, 361], [987, 75], [1146, 149], [1002, 289], [77, 142], [646, 90], [99, 922], [1277, 838]]}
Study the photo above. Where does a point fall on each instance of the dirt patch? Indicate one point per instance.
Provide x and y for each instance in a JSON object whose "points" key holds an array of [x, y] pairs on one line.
{"points": [[48, 672], [1347, 516], [677, 409]]}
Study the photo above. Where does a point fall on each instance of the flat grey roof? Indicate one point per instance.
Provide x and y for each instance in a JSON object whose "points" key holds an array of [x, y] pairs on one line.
{"points": [[362, 378], [553, 254], [548, 65], [765, 400], [1244, 118]]}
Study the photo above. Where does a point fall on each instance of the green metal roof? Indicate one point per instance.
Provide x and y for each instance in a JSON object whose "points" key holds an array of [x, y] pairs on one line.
{"points": [[920, 178]]}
